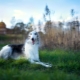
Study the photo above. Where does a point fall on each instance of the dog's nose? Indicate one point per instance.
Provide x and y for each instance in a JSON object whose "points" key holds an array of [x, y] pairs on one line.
{"points": [[32, 39]]}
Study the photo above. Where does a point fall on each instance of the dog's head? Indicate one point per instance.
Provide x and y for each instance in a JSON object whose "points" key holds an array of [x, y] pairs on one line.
{"points": [[33, 37]]}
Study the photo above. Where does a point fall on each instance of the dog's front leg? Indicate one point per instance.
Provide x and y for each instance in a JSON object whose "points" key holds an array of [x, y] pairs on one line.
{"points": [[44, 64], [40, 63]]}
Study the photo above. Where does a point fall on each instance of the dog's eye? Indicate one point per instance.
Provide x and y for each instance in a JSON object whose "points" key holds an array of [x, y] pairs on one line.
{"points": [[35, 33]]}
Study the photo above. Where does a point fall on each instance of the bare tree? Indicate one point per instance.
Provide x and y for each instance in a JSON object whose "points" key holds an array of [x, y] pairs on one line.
{"points": [[60, 25], [44, 17], [13, 22], [72, 12], [31, 20], [39, 25], [48, 12]]}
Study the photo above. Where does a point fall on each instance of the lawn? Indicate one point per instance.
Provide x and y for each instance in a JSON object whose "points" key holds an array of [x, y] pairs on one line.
{"points": [[66, 66]]}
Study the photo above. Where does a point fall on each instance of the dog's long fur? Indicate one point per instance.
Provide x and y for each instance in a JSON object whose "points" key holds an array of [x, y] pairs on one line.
{"points": [[30, 49]]}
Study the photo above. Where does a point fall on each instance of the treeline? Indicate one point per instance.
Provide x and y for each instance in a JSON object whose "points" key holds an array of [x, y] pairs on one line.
{"points": [[56, 36]]}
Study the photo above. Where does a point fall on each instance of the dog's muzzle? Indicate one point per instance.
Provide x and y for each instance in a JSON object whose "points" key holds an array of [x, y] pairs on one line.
{"points": [[33, 41]]}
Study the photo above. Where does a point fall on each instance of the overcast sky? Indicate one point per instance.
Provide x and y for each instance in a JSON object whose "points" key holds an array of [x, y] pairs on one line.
{"points": [[24, 9]]}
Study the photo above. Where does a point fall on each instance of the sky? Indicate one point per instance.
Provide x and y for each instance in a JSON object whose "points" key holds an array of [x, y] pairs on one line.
{"points": [[24, 9]]}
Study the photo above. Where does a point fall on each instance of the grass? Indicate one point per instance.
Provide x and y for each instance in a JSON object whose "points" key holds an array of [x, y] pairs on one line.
{"points": [[66, 66], [9, 37]]}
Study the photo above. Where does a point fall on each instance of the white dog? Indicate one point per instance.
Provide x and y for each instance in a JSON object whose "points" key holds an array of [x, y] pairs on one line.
{"points": [[30, 49]]}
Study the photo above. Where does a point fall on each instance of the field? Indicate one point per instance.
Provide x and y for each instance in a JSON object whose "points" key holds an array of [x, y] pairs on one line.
{"points": [[66, 66], [58, 29]]}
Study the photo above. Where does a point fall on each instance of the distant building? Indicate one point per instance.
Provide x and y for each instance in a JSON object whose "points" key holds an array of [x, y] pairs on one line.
{"points": [[2, 28]]}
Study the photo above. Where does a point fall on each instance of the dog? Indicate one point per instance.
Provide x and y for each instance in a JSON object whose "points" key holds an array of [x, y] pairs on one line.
{"points": [[30, 49]]}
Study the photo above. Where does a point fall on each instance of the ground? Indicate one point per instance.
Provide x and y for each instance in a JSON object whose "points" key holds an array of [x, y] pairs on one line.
{"points": [[66, 66]]}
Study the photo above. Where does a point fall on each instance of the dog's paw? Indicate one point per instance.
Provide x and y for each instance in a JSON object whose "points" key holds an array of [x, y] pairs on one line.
{"points": [[48, 65]]}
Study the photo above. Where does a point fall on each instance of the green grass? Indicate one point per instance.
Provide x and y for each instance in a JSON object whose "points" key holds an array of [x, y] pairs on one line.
{"points": [[66, 66], [9, 39]]}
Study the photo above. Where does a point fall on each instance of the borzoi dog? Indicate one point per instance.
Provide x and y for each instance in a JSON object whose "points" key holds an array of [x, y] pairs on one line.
{"points": [[30, 49]]}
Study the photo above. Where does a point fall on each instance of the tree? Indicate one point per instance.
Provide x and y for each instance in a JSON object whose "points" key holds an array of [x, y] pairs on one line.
{"points": [[60, 25], [31, 20], [75, 23], [72, 12], [28, 27], [39, 25], [20, 25], [31, 23], [13, 22], [19, 28], [47, 11], [44, 17], [72, 23]]}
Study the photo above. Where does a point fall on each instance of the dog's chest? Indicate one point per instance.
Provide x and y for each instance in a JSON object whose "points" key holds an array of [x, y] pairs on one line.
{"points": [[31, 47], [31, 51]]}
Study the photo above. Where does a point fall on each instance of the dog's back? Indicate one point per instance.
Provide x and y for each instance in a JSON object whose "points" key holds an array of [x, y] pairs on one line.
{"points": [[18, 48], [10, 50]]}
